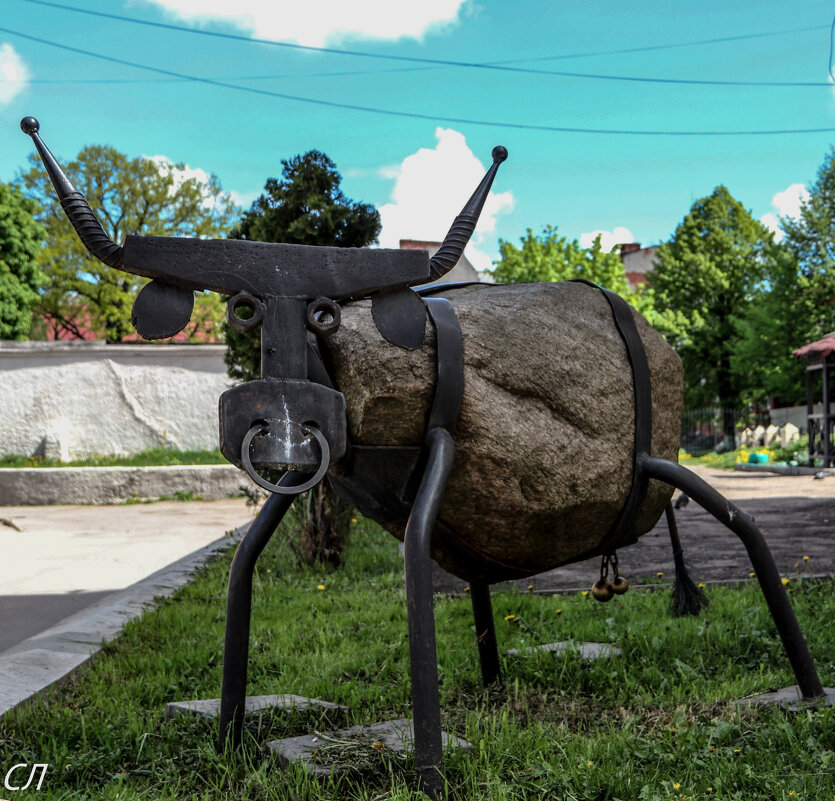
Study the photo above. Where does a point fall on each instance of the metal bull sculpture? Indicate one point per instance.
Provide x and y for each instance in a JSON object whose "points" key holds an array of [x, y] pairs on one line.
{"points": [[294, 417]]}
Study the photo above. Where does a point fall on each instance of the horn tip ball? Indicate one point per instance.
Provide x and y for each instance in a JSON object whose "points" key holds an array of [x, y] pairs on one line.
{"points": [[29, 125], [499, 154]]}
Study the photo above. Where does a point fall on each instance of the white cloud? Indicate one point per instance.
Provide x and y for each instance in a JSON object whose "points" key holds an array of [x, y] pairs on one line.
{"points": [[14, 74], [430, 189], [787, 204], [184, 173], [608, 239], [326, 21]]}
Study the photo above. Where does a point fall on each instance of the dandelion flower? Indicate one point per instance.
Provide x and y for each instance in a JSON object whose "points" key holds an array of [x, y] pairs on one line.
{"points": [[701, 585], [590, 763], [659, 574], [320, 586], [676, 786], [354, 520], [751, 575], [530, 586], [467, 588], [737, 750], [805, 558], [710, 789], [785, 581], [510, 617], [584, 593], [559, 611]]}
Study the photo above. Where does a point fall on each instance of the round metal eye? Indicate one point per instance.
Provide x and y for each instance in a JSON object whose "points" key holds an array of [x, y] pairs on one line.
{"points": [[244, 300], [323, 316]]}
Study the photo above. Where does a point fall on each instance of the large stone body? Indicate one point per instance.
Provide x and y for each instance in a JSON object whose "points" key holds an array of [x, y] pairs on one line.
{"points": [[545, 439]]}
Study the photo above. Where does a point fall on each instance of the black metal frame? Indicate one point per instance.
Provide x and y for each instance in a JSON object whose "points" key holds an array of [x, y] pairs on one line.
{"points": [[290, 302]]}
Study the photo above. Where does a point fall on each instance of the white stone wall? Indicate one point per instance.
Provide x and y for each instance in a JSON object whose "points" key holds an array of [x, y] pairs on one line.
{"points": [[73, 399]]}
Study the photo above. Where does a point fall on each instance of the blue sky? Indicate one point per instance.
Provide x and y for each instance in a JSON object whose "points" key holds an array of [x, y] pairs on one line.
{"points": [[419, 171]]}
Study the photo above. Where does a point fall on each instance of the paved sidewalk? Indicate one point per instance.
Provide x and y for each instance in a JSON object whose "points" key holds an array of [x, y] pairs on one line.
{"points": [[66, 558], [796, 515]]}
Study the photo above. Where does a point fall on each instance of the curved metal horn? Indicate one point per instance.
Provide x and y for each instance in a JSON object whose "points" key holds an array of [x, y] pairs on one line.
{"points": [[462, 228], [75, 206]]}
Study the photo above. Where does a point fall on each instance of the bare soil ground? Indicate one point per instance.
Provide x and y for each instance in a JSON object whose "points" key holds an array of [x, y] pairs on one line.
{"points": [[795, 513]]}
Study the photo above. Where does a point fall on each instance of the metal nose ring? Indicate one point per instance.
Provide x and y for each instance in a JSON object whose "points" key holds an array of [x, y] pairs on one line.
{"points": [[297, 490]]}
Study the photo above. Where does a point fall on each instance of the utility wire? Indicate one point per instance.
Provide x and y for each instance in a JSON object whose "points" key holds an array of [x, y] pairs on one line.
{"points": [[409, 114], [497, 66]]}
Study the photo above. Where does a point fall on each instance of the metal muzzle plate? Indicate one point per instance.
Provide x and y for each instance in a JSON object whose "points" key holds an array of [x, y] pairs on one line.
{"points": [[282, 409]]}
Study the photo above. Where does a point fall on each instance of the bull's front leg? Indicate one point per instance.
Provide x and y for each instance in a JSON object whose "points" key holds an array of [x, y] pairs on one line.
{"points": [[422, 651], [238, 608]]}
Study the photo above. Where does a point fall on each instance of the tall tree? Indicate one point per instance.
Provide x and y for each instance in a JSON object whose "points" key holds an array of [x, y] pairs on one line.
{"points": [[551, 257], [21, 238], [709, 274], [304, 207], [129, 196], [799, 306]]}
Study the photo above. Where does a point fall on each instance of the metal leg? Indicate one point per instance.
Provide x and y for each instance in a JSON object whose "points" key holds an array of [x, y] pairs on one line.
{"points": [[743, 526], [422, 652], [485, 631], [238, 607]]}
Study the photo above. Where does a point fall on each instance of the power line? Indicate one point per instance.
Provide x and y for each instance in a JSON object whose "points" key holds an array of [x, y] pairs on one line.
{"points": [[394, 113], [497, 66]]}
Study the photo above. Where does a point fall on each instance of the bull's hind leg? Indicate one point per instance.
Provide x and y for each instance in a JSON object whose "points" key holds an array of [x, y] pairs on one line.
{"points": [[238, 608], [743, 526], [485, 630], [422, 651]]}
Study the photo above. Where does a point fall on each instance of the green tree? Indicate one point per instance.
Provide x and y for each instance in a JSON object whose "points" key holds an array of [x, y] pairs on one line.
{"points": [[305, 207], [143, 196], [800, 305], [551, 257], [21, 238], [707, 277]]}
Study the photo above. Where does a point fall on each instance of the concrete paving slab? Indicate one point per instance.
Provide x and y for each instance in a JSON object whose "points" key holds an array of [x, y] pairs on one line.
{"points": [[40, 662], [36, 486], [210, 707], [63, 549], [311, 749], [587, 650], [790, 698]]}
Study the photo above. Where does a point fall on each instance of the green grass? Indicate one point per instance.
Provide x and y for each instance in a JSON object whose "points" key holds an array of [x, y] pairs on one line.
{"points": [[653, 724], [152, 457]]}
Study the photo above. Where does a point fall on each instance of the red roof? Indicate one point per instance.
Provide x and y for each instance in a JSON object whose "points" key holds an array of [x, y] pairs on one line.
{"points": [[823, 347]]}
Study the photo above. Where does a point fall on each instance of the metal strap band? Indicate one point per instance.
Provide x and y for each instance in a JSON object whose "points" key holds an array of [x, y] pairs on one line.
{"points": [[449, 387], [623, 531]]}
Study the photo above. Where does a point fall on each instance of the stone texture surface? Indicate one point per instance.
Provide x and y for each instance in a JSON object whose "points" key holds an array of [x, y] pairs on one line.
{"points": [[586, 650], [73, 399], [37, 486], [545, 437], [396, 735], [210, 707], [790, 698]]}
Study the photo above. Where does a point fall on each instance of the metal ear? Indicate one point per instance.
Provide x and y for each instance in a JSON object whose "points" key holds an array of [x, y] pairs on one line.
{"points": [[161, 310]]}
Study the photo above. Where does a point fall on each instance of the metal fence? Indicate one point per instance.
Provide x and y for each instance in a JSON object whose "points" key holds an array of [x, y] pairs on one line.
{"points": [[702, 430]]}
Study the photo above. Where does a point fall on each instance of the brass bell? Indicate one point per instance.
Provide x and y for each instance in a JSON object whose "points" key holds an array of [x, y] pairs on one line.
{"points": [[602, 590], [619, 585]]}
